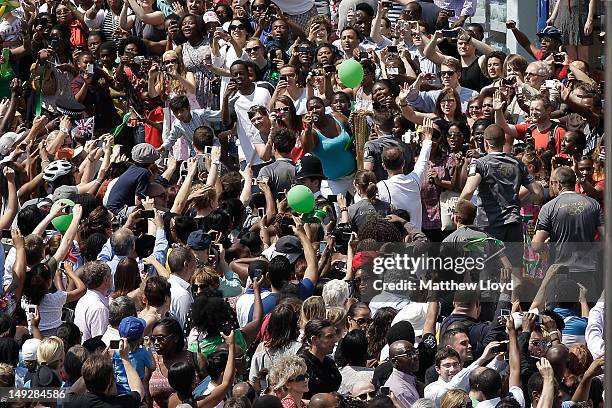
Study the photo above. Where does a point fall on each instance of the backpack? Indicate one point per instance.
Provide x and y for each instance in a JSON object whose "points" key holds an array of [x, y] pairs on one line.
{"points": [[552, 143]]}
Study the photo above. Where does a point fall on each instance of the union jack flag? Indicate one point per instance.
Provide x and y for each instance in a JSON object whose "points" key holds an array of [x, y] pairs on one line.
{"points": [[84, 127]]}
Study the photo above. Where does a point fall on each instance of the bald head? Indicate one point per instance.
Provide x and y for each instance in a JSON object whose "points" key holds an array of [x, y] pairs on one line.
{"points": [[558, 355], [243, 389], [565, 176], [323, 400], [398, 348]]}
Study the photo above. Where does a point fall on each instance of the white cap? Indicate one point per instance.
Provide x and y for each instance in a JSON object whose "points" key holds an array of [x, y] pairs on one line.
{"points": [[29, 348]]}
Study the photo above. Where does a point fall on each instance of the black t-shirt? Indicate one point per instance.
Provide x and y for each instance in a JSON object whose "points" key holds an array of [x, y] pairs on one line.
{"points": [[324, 377], [502, 177], [90, 400]]}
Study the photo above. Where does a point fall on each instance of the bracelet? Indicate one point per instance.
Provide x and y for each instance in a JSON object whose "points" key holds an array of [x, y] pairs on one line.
{"points": [[342, 209], [216, 162], [64, 130]]}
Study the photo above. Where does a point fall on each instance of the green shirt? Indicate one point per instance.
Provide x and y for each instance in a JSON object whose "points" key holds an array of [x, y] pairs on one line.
{"points": [[209, 345]]}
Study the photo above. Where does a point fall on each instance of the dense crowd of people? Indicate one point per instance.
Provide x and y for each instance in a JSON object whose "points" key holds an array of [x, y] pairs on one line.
{"points": [[214, 204]]}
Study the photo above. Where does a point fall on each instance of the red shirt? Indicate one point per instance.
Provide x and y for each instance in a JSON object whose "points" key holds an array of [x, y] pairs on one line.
{"points": [[541, 139], [562, 73], [152, 135]]}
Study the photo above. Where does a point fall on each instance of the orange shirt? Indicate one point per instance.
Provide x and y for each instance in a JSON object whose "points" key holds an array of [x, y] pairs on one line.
{"points": [[541, 139]]}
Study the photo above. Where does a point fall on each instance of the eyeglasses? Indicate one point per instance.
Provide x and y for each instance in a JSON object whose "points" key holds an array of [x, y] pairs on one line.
{"points": [[365, 395], [236, 27], [300, 378], [363, 320], [451, 365], [171, 61], [282, 110], [162, 339], [538, 343], [254, 49], [446, 73]]}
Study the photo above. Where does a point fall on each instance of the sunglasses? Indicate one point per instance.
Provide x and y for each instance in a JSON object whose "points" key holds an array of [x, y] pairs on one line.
{"points": [[236, 27], [161, 339], [363, 320], [282, 110], [254, 49], [446, 73], [300, 378], [365, 395], [171, 61], [259, 7]]}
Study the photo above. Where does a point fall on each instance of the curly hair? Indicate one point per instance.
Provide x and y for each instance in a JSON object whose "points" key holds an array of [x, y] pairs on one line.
{"points": [[284, 370], [212, 315], [380, 230]]}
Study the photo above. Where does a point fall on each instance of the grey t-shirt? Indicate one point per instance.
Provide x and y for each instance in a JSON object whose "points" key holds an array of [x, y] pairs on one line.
{"points": [[362, 210], [373, 150], [281, 175], [571, 220], [502, 177]]}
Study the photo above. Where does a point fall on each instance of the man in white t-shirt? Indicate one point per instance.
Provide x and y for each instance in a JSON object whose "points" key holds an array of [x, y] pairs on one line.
{"points": [[241, 94], [404, 190]]}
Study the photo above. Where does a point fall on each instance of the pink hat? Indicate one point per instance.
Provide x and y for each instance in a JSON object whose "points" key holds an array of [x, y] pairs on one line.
{"points": [[211, 17]]}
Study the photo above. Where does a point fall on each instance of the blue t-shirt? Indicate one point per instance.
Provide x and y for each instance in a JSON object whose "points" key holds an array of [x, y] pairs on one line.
{"points": [[140, 359], [305, 290], [574, 324], [134, 182]]}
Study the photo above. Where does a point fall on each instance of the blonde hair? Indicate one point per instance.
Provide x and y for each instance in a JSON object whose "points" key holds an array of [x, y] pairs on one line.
{"points": [[312, 308], [173, 84], [284, 369], [50, 351], [453, 399]]}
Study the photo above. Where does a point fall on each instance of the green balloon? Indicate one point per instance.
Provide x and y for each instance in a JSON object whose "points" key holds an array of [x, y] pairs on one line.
{"points": [[350, 73], [301, 199], [62, 222]]}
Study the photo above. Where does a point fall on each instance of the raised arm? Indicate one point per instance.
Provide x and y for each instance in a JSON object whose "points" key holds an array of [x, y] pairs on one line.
{"points": [[6, 220], [308, 138], [514, 354], [155, 18], [539, 301], [312, 267], [431, 48], [251, 329], [381, 11], [217, 395], [522, 39], [68, 238], [180, 201], [132, 375], [19, 268], [80, 287], [421, 164]]}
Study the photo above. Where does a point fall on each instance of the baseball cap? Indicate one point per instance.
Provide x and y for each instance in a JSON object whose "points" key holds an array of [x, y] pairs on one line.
{"points": [[65, 192], [551, 32], [288, 246], [29, 349], [211, 17], [198, 240], [144, 153], [132, 328]]}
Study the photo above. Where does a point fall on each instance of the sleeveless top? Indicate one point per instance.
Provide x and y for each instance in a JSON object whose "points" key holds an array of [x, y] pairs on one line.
{"points": [[337, 160], [473, 78], [159, 386]]}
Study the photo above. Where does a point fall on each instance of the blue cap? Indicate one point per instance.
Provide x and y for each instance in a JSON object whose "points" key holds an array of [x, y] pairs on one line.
{"points": [[551, 32], [132, 328], [198, 240]]}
